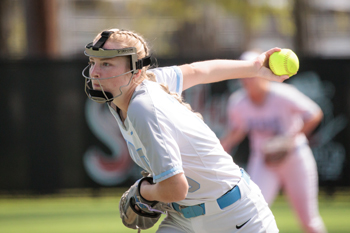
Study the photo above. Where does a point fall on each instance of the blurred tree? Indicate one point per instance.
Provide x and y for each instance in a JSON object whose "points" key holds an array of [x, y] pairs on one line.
{"points": [[3, 49], [12, 28], [263, 18], [176, 27], [176, 24], [199, 28], [41, 28], [300, 13]]}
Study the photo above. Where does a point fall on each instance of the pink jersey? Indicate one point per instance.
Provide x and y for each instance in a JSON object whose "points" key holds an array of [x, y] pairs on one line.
{"points": [[283, 115]]}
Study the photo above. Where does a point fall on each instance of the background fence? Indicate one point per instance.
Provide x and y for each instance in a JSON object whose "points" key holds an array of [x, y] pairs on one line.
{"points": [[47, 127]]}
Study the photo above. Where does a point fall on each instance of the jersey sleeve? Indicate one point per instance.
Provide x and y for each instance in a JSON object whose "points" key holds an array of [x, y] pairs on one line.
{"points": [[302, 104], [159, 138], [172, 76]]}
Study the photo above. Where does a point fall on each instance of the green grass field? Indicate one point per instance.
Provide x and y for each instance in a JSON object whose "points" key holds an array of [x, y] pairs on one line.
{"points": [[81, 213]]}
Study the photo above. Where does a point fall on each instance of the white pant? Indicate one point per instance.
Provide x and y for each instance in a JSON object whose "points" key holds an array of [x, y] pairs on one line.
{"points": [[252, 206], [299, 179]]}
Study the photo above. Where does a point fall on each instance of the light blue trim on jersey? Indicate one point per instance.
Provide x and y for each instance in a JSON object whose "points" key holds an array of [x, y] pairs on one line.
{"points": [[140, 159], [178, 77], [173, 171], [130, 152]]}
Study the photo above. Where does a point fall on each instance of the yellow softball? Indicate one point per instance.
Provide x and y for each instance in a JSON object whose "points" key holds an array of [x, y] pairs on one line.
{"points": [[284, 62]]}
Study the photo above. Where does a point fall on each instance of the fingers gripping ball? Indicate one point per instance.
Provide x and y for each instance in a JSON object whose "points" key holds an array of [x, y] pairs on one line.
{"points": [[284, 62]]}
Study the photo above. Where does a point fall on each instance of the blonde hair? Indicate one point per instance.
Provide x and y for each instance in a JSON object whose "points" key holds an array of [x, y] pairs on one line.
{"points": [[132, 39]]}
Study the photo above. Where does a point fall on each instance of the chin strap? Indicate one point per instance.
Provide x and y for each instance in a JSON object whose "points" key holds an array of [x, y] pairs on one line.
{"points": [[99, 96]]}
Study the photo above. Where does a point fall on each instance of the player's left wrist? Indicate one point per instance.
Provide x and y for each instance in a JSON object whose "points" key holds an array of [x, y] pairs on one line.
{"points": [[144, 189]]}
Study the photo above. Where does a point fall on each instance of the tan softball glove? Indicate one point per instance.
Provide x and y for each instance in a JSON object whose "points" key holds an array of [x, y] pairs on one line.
{"points": [[277, 149], [137, 212]]}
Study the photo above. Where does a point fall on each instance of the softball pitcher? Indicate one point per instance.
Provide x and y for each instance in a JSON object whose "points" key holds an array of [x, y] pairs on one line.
{"points": [[277, 118], [187, 168]]}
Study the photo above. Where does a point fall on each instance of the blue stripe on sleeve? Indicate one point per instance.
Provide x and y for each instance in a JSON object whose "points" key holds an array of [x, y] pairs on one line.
{"points": [[178, 78], [174, 170]]}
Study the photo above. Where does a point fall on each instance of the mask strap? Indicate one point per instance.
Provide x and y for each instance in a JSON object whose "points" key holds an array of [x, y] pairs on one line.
{"points": [[104, 37], [143, 62]]}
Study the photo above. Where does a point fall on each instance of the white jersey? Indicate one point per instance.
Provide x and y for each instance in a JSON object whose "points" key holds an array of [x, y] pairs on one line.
{"points": [[282, 115], [165, 138]]}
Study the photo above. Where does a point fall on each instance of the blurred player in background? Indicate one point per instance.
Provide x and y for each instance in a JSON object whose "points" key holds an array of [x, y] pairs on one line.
{"points": [[190, 168], [278, 118]]}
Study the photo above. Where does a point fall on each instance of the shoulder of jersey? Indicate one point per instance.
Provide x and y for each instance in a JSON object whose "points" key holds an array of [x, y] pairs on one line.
{"points": [[139, 103], [283, 89], [160, 71]]}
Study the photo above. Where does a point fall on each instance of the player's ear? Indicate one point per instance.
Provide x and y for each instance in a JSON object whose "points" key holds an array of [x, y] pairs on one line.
{"points": [[137, 76]]}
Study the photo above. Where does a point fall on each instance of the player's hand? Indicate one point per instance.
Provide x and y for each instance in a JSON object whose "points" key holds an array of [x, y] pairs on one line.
{"points": [[262, 64]]}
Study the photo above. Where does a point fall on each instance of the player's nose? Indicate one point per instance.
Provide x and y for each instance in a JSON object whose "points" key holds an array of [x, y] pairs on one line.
{"points": [[95, 71]]}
